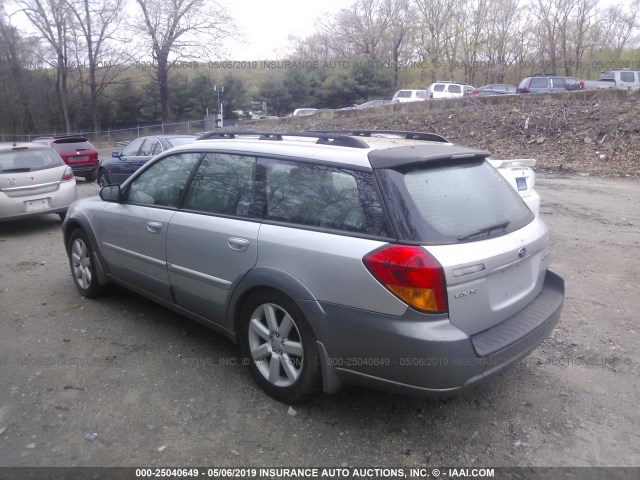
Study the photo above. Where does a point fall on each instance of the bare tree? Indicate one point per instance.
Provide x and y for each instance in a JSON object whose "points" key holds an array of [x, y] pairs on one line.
{"points": [[51, 19], [180, 28], [97, 22], [619, 25], [438, 42]]}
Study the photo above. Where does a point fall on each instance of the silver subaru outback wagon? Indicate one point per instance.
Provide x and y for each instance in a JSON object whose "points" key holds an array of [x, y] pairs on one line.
{"points": [[390, 260]]}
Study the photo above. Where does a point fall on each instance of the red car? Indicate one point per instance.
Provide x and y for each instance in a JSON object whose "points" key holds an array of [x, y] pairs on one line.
{"points": [[77, 152]]}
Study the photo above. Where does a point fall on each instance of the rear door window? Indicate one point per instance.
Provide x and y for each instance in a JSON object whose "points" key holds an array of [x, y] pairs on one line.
{"points": [[451, 202], [223, 184], [455, 89]]}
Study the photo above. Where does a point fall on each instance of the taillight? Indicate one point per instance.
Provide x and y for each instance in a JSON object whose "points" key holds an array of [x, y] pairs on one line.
{"points": [[581, 86], [475, 92], [412, 274], [67, 176]]}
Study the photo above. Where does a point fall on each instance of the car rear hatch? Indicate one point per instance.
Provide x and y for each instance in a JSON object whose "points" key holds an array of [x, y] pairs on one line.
{"points": [[25, 171], [75, 150], [449, 200]]}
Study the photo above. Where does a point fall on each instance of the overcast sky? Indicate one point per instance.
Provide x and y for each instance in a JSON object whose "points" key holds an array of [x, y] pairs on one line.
{"points": [[267, 24]]}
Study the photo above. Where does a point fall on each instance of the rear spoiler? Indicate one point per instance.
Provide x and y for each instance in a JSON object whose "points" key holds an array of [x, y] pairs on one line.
{"points": [[517, 162]]}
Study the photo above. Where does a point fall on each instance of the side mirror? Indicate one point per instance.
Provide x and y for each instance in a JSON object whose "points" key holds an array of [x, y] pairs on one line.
{"points": [[110, 193], [116, 154]]}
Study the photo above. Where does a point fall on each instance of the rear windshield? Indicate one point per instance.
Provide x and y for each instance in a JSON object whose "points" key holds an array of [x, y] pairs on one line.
{"points": [[28, 160], [71, 145], [452, 202]]}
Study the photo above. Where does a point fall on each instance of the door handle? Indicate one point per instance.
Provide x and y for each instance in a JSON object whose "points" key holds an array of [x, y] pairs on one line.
{"points": [[154, 227], [238, 244]]}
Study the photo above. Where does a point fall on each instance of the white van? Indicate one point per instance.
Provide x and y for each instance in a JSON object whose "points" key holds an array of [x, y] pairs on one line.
{"points": [[410, 96], [448, 90]]}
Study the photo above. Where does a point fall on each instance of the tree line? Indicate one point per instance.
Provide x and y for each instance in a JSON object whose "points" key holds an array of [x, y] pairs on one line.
{"points": [[85, 63]]}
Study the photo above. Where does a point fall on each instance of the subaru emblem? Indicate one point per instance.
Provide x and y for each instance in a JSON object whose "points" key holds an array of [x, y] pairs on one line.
{"points": [[522, 252]]}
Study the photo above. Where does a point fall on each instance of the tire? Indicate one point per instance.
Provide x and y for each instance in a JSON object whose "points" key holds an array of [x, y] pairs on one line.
{"points": [[82, 263], [103, 178], [281, 348], [91, 177], [62, 215]]}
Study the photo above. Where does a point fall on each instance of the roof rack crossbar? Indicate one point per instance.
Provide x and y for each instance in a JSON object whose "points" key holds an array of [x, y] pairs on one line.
{"points": [[426, 136], [324, 138]]}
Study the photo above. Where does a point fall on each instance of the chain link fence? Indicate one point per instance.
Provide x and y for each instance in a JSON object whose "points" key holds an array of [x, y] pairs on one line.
{"points": [[121, 136]]}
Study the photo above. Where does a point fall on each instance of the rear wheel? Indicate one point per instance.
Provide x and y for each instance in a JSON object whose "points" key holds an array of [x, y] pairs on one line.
{"points": [[91, 177], [83, 268], [278, 342], [103, 178]]}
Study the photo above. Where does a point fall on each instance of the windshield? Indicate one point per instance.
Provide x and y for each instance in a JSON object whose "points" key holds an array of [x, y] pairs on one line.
{"points": [[452, 202]]}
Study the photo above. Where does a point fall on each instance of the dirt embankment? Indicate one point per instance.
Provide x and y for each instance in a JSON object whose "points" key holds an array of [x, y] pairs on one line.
{"points": [[594, 132]]}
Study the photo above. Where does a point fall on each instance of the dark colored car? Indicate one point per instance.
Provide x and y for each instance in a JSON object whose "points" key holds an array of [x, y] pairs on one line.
{"points": [[495, 89], [123, 164], [548, 84], [77, 152]]}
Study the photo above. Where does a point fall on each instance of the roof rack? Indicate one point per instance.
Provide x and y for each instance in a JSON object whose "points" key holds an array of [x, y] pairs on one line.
{"points": [[324, 138], [426, 136]]}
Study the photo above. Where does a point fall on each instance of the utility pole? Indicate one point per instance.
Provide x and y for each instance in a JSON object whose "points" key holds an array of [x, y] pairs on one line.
{"points": [[219, 89]]}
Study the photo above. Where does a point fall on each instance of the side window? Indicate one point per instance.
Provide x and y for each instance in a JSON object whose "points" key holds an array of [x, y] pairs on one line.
{"points": [[162, 183], [455, 89], [439, 87], [538, 83], [133, 147], [223, 184], [321, 196], [627, 77], [149, 147]]}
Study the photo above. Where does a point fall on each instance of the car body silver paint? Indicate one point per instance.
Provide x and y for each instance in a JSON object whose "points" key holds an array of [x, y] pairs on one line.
{"points": [[330, 265]]}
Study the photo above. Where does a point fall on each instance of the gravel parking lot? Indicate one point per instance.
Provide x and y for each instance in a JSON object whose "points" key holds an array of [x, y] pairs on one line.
{"points": [[120, 381]]}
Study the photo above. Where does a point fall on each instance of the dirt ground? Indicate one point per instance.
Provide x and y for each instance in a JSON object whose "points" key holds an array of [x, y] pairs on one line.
{"points": [[120, 381]]}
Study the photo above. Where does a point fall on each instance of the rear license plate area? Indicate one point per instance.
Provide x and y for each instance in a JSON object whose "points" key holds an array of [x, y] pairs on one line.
{"points": [[35, 205]]}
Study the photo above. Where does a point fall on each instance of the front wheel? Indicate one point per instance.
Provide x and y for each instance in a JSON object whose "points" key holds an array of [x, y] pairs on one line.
{"points": [[83, 268], [103, 178], [281, 347]]}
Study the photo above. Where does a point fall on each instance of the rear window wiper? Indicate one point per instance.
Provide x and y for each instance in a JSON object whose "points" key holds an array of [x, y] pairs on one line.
{"points": [[486, 230]]}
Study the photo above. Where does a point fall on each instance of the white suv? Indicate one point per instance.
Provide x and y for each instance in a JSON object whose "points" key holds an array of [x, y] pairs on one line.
{"points": [[392, 260], [403, 96], [448, 90]]}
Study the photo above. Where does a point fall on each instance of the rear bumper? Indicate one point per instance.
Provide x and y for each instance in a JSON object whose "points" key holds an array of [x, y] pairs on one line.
{"points": [[84, 170], [427, 355], [14, 208]]}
